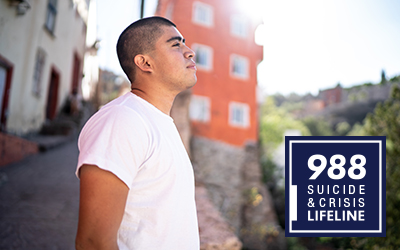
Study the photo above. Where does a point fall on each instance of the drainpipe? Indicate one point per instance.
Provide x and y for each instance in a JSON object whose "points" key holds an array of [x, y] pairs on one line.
{"points": [[142, 9]]}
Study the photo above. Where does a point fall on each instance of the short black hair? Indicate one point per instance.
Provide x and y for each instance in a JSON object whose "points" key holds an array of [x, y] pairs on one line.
{"points": [[139, 38]]}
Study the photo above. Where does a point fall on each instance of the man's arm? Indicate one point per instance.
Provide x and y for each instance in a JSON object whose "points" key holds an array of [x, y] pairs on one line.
{"points": [[101, 208]]}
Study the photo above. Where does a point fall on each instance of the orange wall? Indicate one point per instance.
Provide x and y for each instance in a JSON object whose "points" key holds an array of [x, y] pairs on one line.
{"points": [[217, 84]]}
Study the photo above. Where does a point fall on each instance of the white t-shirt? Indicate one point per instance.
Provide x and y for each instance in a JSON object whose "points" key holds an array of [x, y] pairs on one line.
{"points": [[141, 145]]}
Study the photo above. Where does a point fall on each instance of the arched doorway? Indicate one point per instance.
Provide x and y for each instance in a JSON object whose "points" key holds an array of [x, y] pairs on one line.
{"points": [[52, 97]]}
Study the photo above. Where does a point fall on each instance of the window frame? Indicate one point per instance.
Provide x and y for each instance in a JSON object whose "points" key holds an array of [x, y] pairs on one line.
{"points": [[51, 16], [241, 75], [200, 109], [244, 108], [209, 56], [40, 62], [209, 14], [239, 26]]}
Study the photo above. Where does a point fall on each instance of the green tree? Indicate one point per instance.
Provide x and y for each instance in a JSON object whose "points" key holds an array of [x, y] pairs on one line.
{"points": [[357, 130], [386, 122], [342, 128], [395, 79], [274, 122], [317, 127]]}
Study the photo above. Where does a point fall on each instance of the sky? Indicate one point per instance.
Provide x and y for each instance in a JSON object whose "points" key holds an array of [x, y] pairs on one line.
{"points": [[309, 45], [112, 18]]}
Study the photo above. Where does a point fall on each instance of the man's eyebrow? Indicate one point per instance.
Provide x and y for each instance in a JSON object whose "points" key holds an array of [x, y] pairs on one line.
{"points": [[176, 38]]}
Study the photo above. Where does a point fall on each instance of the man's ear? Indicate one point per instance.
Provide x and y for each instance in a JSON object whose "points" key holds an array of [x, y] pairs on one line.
{"points": [[143, 63]]}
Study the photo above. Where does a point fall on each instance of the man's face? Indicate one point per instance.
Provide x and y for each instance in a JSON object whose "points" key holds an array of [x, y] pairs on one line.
{"points": [[173, 61]]}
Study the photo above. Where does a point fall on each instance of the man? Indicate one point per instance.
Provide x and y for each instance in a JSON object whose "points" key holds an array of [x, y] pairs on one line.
{"points": [[137, 183]]}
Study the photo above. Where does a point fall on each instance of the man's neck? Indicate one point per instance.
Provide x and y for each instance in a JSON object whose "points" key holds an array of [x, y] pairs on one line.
{"points": [[161, 101]]}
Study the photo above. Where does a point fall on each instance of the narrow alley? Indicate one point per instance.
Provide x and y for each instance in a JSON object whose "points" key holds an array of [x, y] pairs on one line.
{"points": [[39, 200]]}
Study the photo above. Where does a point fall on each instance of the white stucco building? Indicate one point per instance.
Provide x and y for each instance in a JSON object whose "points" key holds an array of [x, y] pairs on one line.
{"points": [[42, 48]]}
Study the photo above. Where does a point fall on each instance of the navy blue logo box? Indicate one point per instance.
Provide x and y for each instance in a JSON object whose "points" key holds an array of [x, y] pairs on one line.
{"points": [[335, 186]]}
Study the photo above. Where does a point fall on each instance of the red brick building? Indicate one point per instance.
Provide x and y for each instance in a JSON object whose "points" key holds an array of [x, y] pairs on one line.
{"points": [[331, 96], [223, 104]]}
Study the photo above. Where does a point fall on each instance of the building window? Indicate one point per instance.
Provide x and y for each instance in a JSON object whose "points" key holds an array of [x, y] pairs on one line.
{"points": [[204, 56], [203, 14], [239, 114], [239, 66], [38, 72], [239, 26], [51, 15], [199, 109]]}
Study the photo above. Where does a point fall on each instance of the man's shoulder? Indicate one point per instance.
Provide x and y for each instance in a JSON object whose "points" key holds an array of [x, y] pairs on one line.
{"points": [[125, 100], [120, 112], [123, 105], [128, 103], [130, 111]]}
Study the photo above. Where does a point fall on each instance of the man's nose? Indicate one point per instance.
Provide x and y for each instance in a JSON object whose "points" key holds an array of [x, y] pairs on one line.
{"points": [[189, 53]]}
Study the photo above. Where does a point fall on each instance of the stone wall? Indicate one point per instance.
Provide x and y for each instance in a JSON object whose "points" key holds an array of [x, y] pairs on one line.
{"points": [[218, 166], [368, 93], [232, 177], [356, 103], [215, 233], [259, 224]]}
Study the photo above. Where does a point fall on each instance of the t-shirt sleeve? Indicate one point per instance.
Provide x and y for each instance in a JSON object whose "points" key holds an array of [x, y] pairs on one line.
{"points": [[114, 139]]}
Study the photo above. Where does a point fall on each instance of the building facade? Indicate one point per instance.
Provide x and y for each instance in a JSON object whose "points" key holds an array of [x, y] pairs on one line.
{"points": [[42, 46], [223, 104]]}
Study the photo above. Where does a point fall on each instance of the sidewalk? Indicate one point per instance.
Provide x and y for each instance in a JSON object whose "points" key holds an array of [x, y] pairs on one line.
{"points": [[39, 200]]}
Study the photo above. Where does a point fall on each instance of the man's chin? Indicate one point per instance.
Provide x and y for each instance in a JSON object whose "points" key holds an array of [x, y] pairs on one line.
{"points": [[192, 83]]}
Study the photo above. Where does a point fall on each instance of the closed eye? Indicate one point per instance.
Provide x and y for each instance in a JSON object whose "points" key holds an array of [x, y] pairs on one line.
{"points": [[176, 41]]}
